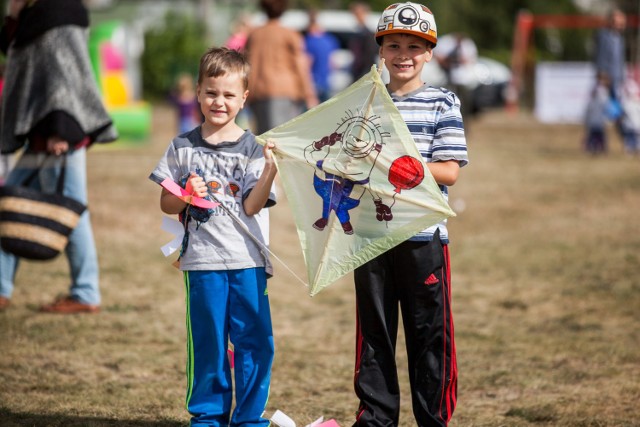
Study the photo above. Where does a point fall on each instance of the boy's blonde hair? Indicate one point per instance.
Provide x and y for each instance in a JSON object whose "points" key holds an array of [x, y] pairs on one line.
{"points": [[218, 61]]}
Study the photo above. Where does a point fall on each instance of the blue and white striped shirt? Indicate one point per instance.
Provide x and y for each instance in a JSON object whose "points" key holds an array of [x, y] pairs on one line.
{"points": [[435, 122]]}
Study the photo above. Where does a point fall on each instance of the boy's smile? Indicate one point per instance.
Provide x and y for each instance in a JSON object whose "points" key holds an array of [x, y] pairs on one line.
{"points": [[221, 98], [405, 56]]}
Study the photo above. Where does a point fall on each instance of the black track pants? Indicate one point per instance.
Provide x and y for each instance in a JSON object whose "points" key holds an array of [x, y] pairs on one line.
{"points": [[414, 276]]}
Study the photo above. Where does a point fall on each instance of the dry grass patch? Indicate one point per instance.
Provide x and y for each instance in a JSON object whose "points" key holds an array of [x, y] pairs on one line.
{"points": [[546, 263]]}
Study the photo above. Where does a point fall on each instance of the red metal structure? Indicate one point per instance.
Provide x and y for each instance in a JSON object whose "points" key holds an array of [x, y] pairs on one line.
{"points": [[526, 22]]}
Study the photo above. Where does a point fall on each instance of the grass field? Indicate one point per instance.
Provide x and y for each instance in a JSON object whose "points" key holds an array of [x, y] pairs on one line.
{"points": [[546, 278]]}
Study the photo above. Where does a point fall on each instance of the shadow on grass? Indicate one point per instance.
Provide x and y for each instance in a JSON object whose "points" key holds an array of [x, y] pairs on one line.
{"points": [[9, 418]]}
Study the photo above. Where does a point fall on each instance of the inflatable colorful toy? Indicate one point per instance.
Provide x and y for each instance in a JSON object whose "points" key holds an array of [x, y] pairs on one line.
{"points": [[111, 65]]}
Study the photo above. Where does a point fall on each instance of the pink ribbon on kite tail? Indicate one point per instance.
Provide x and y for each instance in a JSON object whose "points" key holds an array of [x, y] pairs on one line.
{"points": [[183, 195]]}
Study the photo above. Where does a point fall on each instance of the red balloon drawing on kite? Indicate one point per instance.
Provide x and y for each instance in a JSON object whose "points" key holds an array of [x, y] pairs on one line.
{"points": [[405, 173]]}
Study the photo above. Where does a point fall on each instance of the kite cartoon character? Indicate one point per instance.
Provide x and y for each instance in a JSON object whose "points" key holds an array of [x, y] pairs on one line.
{"points": [[343, 164]]}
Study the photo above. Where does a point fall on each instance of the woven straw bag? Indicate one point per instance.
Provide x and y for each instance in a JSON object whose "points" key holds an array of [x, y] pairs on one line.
{"points": [[35, 225]]}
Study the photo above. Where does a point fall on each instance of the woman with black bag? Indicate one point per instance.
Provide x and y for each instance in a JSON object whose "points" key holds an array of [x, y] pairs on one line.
{"points": [[52, 110]]}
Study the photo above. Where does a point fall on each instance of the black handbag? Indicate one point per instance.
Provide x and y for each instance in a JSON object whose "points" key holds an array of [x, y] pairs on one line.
{"points": [[35, 225]]}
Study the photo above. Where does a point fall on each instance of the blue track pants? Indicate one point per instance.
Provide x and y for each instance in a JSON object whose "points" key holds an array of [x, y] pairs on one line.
{"points": [[223, 306]]}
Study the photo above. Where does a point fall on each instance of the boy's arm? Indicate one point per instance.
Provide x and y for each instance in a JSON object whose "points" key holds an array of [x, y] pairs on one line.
{"points": [[445, 173], [257, 198], [171, 204]]}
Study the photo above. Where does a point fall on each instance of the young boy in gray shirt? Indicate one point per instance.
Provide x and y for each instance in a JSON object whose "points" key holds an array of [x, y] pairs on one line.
{"points": [[225, 269]]}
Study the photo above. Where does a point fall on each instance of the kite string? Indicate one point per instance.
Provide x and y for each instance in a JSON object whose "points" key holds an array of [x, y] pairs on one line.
{"points": [[257, 241]]}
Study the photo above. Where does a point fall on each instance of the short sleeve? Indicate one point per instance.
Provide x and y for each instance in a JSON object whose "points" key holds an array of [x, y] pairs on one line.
{"points": [[449, 140], [168, 166]]}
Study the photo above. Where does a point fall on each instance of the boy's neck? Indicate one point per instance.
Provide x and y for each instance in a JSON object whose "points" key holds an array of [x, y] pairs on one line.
{"points": [[403, 88], [216, 135]]}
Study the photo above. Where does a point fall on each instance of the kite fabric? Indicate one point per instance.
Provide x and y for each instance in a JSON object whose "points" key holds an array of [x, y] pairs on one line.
{"points": [[355, 180]]}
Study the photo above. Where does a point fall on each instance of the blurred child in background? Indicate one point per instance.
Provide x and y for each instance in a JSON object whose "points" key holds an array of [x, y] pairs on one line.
{"points": [[631, 118], [186, 104], [238, 38], [596, 117]]}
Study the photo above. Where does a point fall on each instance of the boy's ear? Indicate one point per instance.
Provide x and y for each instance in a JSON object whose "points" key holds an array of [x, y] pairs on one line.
{"points": [[198, 92], [429, 54], [244, 97]]}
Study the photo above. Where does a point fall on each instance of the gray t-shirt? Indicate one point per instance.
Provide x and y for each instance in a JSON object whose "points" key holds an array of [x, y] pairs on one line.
{"points": [[231, 170]]}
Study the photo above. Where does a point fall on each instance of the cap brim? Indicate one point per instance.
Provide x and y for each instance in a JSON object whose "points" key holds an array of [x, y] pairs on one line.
{"points": [[427, 37]]}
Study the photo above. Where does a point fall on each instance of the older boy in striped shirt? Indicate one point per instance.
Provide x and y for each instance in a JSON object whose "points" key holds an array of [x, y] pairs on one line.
{"points": [[414, 275]]}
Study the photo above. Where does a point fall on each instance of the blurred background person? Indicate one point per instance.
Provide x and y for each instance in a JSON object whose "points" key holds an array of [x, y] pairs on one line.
{"points": [[596, 117], [457, 54], [5, 159], [281, 86], [610, 64], [362, 44], [186, 104], [52, 109], [609, 51], [631, 118], [238, 38], [320, 46]]}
